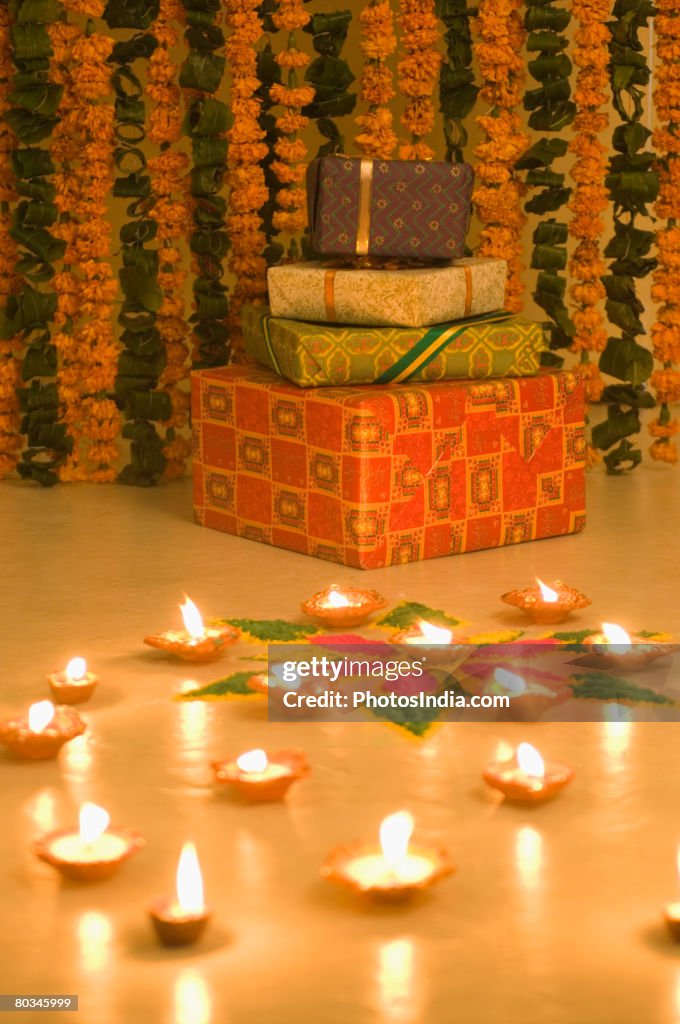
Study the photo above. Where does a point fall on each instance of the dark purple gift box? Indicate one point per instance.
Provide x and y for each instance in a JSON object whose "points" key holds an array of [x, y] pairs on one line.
{"points": [[410, 209]]}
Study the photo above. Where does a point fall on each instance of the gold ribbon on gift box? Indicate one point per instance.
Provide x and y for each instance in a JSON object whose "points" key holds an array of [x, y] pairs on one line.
{"points": [[329, 285], [364, 219]]}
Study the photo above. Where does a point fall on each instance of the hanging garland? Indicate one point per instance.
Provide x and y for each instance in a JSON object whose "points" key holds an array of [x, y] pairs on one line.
{"points": [[206, 123], [83, 145], [550, 110], [247, 149], [172, 215], [590, 197], [331, 77], [30, 311], [10, 363], [142, 359], [268, 73], [417, 74], [289, 167], [666, 287], [632, 184], [376, 137], [457, 89], [498, 197]]}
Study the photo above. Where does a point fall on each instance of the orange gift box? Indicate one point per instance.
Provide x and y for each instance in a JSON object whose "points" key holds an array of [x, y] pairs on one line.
{"points": [[383, 474]]}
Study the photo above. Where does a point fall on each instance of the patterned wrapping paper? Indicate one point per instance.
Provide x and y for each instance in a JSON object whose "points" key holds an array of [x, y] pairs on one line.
{"points": [[410, 209], [321, 355], [411, 297], [376, 476]]}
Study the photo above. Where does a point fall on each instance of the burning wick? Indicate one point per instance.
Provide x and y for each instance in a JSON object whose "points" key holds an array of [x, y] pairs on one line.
{"points": [[193, 623], [40, 715], [549, 595]]}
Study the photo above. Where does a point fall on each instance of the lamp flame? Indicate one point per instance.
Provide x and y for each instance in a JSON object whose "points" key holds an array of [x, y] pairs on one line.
{"points": [[94, 821], [193, 623], [434, 634], [252, 761], [549, 595], [336, 599], [509, 681], [189, 881], [40, 715], [395, 833], [76, 669], [615, 634], [530, 761]]}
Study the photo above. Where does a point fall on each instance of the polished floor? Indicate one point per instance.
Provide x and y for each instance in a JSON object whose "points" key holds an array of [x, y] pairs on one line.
{"points": [[553, 916]]}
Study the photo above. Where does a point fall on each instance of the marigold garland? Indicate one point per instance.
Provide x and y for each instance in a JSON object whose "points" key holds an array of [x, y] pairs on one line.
{"points": [[499, 194], [245, 177], [11, 441], [172, 214], [666, 278], [83, 142], [417, 74], [376, 137], [290, 150]]}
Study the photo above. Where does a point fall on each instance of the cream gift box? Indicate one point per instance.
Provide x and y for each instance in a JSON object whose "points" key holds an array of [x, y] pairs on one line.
{"points": [[413, 297]]}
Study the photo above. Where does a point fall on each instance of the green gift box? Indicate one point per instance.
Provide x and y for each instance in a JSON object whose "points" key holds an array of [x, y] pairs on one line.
{"points": [[322, 355]]}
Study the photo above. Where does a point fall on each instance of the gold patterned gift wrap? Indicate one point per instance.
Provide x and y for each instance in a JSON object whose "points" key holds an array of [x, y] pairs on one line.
{"points": [[321, 355], [388, 296]]}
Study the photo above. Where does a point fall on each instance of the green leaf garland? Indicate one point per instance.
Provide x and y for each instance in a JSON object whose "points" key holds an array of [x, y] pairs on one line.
{"points": [[457, 89], [633, 183], [30, 313], [206, 121], [550, 110], [331, 77], [142, 359]]}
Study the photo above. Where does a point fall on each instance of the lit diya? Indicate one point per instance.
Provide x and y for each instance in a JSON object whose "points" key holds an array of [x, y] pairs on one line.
{"points": [[425, 634], [341, 608], [75, 684], [196, 642], [392, 871], [182, 921], [94, 852], [671, 912], [527, 778], [261, 778], [615, 648], [547, 605], [42, 732]]}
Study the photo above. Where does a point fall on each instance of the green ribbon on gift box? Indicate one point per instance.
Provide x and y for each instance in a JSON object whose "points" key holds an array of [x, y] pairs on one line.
{"points": [[431, 344], [422, 353]]}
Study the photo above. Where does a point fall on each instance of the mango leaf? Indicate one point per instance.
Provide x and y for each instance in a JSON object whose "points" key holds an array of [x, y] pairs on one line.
{"points": [[329, 76], [550, 66], [625, 359], [334, 106], [42, 99], [542, 154], [137, 14], [202, 71], [623, 458], [329, 31], [541, 177], [149, 405], [619, 424], [548, 201], [43, 11], [623, 315], [551, 284], [30, 42], [32, 163], [140, 287], [551, 232], [546, 42], [554, 117], [629, 138], [29, 128], [550, 18], [40, 242], [549, 257], [627, 394]]}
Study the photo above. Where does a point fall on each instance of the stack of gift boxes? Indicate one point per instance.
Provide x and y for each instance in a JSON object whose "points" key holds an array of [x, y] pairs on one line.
{"points": [[402, 413]]}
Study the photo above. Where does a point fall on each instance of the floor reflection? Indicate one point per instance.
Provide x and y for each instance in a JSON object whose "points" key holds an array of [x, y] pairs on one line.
{"points": [[192, 999]]}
